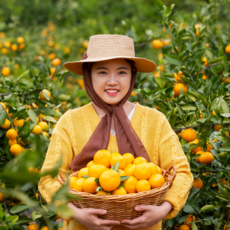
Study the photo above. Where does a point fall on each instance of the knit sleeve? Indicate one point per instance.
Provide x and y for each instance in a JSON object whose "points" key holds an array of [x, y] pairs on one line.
{"points": [[60, 145], [171, 153]]}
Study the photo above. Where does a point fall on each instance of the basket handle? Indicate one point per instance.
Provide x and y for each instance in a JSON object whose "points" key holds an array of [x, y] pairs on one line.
{"points": [[60, 179], [173, 175]]}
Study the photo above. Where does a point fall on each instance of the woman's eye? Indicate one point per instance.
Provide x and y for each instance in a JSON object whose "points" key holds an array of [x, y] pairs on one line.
{"points": [[102, 72], [122, 72]]}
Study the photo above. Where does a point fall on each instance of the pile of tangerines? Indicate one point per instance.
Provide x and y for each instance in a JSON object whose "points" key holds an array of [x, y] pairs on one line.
{"points": [[116, 174]]}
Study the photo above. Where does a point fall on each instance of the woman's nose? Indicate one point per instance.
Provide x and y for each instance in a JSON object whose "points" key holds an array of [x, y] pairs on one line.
{"points": [[112, 80]]}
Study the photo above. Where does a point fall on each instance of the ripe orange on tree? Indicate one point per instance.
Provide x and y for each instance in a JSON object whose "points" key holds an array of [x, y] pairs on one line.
{"points": [[197, 149], [56, 61], [42, 97], [37, 130], [206, 158], [178, 76], [6, 124], [12, 133], [102, 157], [45, 228], [218, 127], [17, 123], [199, 153], [157, 44], [227, 49], [184, 227], [109, 180], [190, 218], [20, 40], [189, 134], [5, 71], [178, 87], [44, 125], [33, 227], [197, 183], [205, 61], [16, 149], [12, 142], [156, 180]]}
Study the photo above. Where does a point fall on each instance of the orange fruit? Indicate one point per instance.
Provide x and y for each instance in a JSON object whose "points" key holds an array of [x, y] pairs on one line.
{"points": [[83, 171], [102, 157], [96, 170], [227, 49], [121, 172], [1, 197], [5, 71], [178, 87], [42, 97], [153, 167], [157, 44], [198, 158], [117, 157], [205, 77], [85, 44], [159, 170], [206, 158], [17, 123], [37, 130], [109, 180], [79, 184], [90, 164], [45, 228], [119, 191], [72, 181], [20, 40], [16, 149], [56, 61], [197, 149], [139, 160], [128, 157], [190, 218], [6, 124], [44, 125], [178, 76], [51, 56], [12, 142], [46, 134], [14, 47], [218, 127], [11, 133], [102, 193], [184, 227], [130, 184], [205, 61], [197, 183], [3, 104], [142, 171], [129, 169], [143, 185], [90, 185], [156, 180], [189, 134], [33, 227]]}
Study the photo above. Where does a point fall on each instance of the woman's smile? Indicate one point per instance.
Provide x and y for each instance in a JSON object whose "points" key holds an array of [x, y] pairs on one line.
{"points": [[112, 92]]}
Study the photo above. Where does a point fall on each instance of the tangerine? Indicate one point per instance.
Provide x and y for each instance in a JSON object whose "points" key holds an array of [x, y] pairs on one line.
{"points": [[11, 133], [139, 160], [17, 123], [189, 134], [142, 171], [156, 180], [178, 87], [33, 227], [43, 125], [79, 184], [90, 164], [130, 184], [190, 219], [206, 158], [153, 167], [129, 169], [119, 191], [102, 157], [109, 180], [96, 170], [129, 158], [83, 171], [143, 185], [197, 183], [6, 124], [90, 185], [117, 157], [5, 71], [37, 130], [42, 97]]}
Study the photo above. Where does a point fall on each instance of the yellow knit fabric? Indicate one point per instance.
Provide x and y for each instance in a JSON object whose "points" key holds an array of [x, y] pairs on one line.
{"points": [[74, 129]]}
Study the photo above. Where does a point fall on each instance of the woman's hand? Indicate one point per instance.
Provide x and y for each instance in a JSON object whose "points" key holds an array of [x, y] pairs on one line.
{"points": [[89, 218], [151, 215]]}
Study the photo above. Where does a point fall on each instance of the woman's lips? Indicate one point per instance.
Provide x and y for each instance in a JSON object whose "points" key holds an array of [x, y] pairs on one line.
{"points": [[112, 92]]}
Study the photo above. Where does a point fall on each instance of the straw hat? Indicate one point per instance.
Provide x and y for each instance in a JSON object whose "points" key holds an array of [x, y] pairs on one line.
{"points": [[111, 46]]}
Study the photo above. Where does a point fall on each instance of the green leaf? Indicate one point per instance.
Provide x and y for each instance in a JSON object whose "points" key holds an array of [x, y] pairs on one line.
{"points": [[199, 52], [46, 111], [18, 208], [116, 166], [225, 114], [14, 220], [3, 116], [35, 216], [207, 208], [122, 178], [159, 82], [26, 82], [168, 10], [189, 209], [159, 4], [32, 115], [23, 220], [85, 176], [216, 60], [194, 227], [98, 188], [49, 118], [97, 181], [63, 97], [172, 59], [188, 107]]}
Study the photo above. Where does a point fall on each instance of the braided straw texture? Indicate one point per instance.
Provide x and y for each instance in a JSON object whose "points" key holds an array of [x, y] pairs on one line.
{"points": [[122, 207]]}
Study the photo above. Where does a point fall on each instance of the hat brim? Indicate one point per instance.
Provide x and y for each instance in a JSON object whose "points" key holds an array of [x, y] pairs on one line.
{"points": [[143, 65]]}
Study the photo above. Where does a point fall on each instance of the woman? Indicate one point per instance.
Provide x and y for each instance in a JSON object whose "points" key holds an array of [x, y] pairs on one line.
{"points": [[112, 122]]}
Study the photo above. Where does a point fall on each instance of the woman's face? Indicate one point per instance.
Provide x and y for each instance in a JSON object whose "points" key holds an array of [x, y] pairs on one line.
{"points": [[111, 79]]}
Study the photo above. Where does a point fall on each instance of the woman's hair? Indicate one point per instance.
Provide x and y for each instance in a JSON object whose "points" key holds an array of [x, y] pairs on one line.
{"points": [[89, 65]]}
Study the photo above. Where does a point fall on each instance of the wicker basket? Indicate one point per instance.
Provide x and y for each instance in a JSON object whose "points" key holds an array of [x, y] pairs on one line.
{"points": [[122, 207]]}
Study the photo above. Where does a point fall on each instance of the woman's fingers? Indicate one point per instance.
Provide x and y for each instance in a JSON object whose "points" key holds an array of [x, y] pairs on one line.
{"points": [[97, 211]]}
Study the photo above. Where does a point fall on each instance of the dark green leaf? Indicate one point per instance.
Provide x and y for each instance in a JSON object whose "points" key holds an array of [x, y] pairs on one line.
{"points": [[32, 115], [159, 4], [124, 178], [3, 116], [172, 59]]}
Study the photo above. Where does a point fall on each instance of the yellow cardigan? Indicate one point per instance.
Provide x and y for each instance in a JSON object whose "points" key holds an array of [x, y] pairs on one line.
{"points": [[74, 129]]}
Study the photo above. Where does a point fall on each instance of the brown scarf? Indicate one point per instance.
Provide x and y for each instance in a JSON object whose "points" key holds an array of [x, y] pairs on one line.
{"points": [[127, 139]]}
